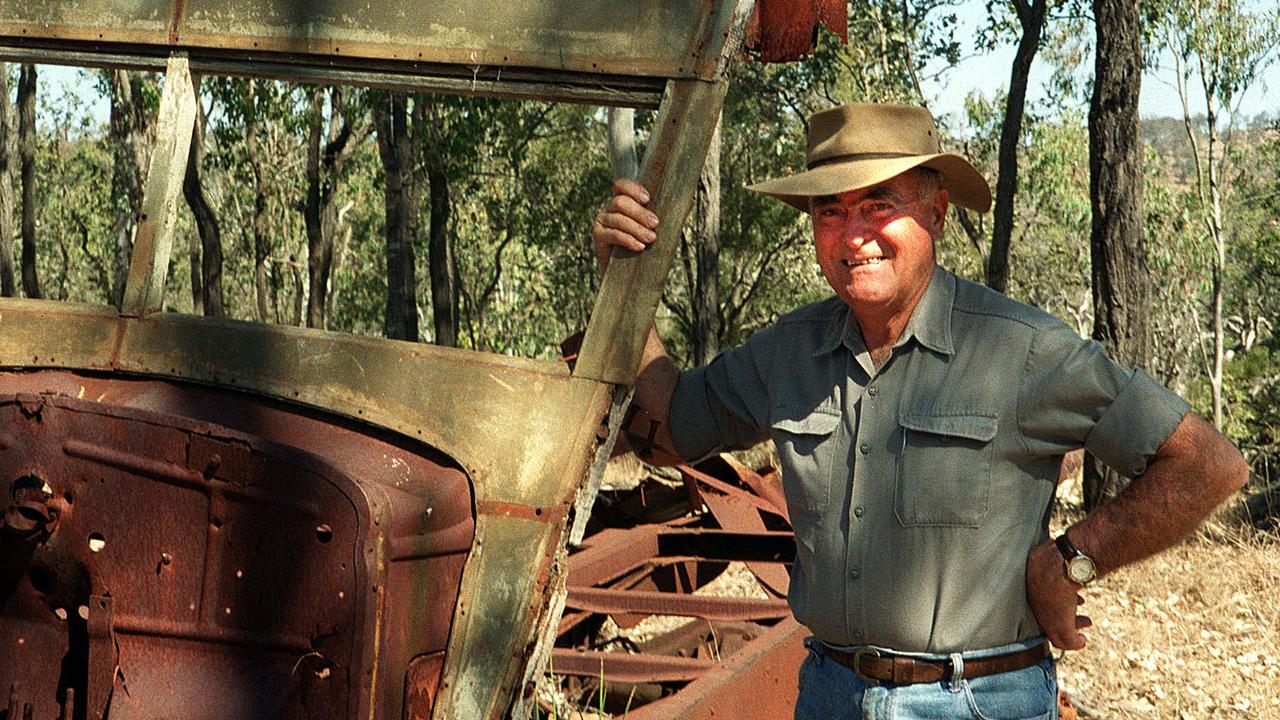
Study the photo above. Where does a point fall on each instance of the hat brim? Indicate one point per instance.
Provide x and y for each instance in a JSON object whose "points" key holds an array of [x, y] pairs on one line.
{"points": [[965, 185]]}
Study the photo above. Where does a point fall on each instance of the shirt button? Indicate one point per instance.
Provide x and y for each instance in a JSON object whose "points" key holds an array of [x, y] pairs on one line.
{"points": [[864, 448], [859, 511], [873, 391], [857, 634], [855, 573]]}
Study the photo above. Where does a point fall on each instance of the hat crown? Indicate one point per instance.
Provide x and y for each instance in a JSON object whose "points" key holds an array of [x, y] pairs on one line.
{"points": [[871, 130]]}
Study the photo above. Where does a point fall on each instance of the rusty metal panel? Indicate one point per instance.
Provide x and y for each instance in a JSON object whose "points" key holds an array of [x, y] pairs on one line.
{"points": [[256, 566], [501, 417], [785, 30], [654, 38]]}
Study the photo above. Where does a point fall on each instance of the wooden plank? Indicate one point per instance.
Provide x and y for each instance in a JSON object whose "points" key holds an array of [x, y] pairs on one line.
{"points": [[153, 238], [633, 284], [650, 38], [520, 84]]}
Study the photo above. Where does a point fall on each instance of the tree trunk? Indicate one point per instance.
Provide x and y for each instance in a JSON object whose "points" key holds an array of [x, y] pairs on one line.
{"points": [[261, 241], [324, 160], [400, 192], [8, 287], [1219, 268], [444, 304], [27, 158], [1031, 16], [1121, 279], [129, 126], [206, 269], [706, 280]]}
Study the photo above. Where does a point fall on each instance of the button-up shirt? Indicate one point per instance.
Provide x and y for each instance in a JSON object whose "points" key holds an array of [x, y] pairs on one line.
{"points": [[916, 489]]}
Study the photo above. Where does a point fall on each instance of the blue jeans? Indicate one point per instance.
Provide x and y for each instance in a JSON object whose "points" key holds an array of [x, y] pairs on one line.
{"points": [[831, 691]]}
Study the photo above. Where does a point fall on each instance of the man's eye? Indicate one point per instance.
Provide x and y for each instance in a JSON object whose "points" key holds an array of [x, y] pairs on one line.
{"points": [[879, 209], [831, 212]]}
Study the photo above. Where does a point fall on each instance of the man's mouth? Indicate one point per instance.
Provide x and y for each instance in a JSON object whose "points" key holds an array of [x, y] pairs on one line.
{"points": [[863, 262]]}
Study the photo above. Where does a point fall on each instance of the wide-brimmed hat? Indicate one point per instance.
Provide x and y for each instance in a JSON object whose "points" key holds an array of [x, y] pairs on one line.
{"points": [[855, 146]]}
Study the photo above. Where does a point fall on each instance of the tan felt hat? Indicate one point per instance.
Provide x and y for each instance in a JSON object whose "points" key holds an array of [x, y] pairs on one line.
{"points": [[855, 146]]}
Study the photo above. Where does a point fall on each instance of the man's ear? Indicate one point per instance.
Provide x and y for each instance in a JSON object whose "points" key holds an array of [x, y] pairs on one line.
{"points": [[941, 201]]}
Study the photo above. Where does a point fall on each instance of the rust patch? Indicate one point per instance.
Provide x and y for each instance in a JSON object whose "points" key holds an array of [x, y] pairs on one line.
{"points": [[176, 21], [785, 30]]}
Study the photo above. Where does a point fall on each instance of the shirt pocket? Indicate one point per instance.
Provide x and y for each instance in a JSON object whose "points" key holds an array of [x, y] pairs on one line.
{"points": [[944, 468], [803, 439]]}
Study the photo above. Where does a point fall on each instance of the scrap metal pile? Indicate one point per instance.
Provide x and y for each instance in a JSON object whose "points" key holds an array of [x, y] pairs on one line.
{"points": [[654, 547]]}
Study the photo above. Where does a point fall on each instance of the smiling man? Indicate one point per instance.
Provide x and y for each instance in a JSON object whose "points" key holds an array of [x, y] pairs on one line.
{"points": [[920, 421]]}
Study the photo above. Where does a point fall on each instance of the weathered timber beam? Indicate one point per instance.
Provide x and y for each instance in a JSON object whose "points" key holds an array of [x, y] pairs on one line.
{"points": [[633, 284], [153, 238], [487, 81]]}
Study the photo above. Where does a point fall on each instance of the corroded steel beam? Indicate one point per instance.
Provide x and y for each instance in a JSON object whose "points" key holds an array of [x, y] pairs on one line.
{"points": [[622, 667], [710, 607]]}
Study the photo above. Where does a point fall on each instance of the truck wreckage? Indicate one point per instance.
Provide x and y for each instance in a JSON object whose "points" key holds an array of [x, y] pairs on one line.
{"points": [[219, 519]]}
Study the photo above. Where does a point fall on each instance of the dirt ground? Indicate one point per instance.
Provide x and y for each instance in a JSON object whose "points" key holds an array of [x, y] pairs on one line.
{"points": [[1189, 634]]}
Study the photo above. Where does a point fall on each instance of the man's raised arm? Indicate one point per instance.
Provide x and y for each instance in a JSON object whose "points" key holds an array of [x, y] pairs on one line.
{"points": [[626, 222]]}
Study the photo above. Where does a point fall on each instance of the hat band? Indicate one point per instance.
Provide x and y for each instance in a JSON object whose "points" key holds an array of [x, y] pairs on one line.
{"points": [[857, 156]]}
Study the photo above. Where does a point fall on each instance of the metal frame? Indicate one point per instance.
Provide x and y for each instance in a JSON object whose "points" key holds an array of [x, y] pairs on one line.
{"points": [[524, 431]]}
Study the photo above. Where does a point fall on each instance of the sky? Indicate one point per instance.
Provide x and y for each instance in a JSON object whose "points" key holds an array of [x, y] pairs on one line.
{"points": [[986, 74]]}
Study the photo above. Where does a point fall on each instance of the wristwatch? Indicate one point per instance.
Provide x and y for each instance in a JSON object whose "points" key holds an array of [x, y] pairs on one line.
{"points": [[1079, 567]]}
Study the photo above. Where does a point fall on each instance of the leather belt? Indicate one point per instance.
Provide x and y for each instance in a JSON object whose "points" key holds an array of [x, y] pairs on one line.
{"points": [[902, 670]]}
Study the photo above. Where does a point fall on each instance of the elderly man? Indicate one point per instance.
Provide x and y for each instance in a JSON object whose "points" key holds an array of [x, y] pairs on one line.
{"points": [[921, 420]]}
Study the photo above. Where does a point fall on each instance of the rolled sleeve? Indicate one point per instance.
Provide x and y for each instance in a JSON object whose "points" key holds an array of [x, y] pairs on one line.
{"points": [[1074, 396], [720, 406], [1138, 422]]}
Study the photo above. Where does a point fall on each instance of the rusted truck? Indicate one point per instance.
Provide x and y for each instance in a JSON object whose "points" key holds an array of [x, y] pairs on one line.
{"points": [[218, 519]]}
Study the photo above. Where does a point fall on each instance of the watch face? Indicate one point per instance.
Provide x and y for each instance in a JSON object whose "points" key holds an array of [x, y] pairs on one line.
{"points": [[1080, 569]]}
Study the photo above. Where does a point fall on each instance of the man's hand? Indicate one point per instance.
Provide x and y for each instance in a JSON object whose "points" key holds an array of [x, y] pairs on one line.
{"points": [[1054, 598], [624, 221]]}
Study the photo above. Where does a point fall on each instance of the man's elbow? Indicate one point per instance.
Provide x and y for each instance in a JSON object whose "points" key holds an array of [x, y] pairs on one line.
{"points": [[1224, 467]]}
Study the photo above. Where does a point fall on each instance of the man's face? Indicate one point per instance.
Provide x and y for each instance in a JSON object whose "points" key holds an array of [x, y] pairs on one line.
{"points": [[875, 245]]}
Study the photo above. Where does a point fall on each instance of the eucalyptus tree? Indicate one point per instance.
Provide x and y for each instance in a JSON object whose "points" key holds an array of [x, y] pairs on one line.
{"points": [[1220, 46], [1121, 277], [8, 288], [27, 80]]}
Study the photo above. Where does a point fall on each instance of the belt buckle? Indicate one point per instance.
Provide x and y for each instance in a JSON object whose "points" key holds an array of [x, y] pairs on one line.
{"points": [[857, 663]]}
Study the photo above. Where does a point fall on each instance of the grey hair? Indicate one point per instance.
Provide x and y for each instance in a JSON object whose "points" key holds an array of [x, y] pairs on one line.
{"points": [[929, 181]]}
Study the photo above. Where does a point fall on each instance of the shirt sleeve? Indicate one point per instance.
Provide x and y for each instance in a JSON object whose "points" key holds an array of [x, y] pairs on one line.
{"points": [[722, 405], [1072, 395]]}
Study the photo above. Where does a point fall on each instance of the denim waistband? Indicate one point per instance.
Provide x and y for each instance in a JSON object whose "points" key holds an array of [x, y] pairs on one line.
{"points": [[813, 643]]}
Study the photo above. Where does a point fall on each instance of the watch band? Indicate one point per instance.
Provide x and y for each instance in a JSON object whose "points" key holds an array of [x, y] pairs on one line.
{"points": [[1066, 548]]}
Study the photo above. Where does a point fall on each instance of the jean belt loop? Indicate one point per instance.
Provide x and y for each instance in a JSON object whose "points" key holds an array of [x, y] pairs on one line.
{"points": [[957, 672], [813, 645]]}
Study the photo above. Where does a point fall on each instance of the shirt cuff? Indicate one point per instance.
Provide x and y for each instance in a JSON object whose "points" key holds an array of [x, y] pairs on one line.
{"points": [[1138, 422], [693, 428]]}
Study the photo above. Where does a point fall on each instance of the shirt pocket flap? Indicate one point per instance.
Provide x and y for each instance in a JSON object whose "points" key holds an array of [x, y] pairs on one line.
{"points": [[972, 426], [811, 421]]}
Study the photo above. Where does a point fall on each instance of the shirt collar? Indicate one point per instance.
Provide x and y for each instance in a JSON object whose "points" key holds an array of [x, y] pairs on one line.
{"points": [[930, 322]]}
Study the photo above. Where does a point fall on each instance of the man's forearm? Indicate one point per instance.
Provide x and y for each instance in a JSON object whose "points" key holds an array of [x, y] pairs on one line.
{"points": [[655, 383], [1194, 472]]}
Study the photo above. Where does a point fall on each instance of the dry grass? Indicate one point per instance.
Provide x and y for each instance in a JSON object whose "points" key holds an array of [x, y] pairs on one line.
{"points": [[1188, 634]]}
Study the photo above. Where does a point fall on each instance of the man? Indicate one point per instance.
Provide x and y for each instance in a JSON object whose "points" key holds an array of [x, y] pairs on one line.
{"points": [[920, 421]]}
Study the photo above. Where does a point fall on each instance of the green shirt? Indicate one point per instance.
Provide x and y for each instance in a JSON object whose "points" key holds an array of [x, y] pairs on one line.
{"points": [[916, 490]]}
